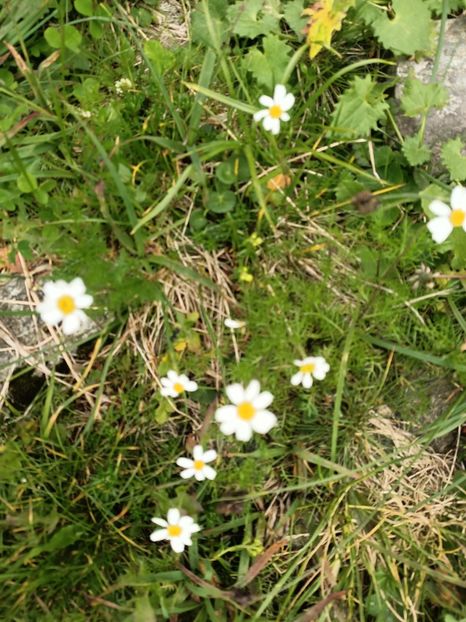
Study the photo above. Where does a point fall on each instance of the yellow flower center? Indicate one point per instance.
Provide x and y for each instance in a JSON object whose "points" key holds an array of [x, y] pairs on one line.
{"points": [[457, 217], [174, 531], [198, 465], [66, 304], [179, 388], [308, 368], [275, 111], [246, 411]]}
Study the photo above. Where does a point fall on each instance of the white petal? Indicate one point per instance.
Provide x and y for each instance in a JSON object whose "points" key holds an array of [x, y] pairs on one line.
{"points": [[263, 400], [177, 545], [173, 516], [172, 375], [458, 198], [243, 431], [321, 369], [321, 362], [166, 382], [190, 386], [284, 116], [168, 392], [225, 413], [228, 427], [298, 362], [210, 455], [160, 521], [199, 475], [198, 452], [272, 125], [440, 228], [297, 378], [266, 101], [72, 322], [50, 315], [307, 381], [464, 225], [195, 528], [263, 421], [233, 324], [275, 127], [158, 534], [235, 393], [186, 522], [308, 360], [209, 472], [287, 102], [260, 114], [49, 288], [77, 286], [439, 208], [185, 463], [61, 287], [319, 373], [84, 301], [279, 94], [252, 391], [187, 473]]}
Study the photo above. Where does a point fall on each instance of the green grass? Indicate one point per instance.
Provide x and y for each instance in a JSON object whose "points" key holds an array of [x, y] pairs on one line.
{"points": [[159, 201]]}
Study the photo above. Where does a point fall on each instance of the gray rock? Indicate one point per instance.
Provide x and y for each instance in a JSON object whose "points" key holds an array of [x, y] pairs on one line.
{"points": [[170, 24], [450, 121]]}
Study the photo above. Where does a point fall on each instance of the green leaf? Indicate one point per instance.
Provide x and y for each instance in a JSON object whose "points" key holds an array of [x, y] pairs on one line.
{"points": [[293, 15], [453, 158], [431, 193], [268, 66], [10, 463], [221, 202], [27, 182], [419, 98], [96, 29], [416, 153], [406, 31], [200, 24], [161, 58], [67, 36], [251, 18], [225, 173], [143, 611], [359, 109], [85, 7]]}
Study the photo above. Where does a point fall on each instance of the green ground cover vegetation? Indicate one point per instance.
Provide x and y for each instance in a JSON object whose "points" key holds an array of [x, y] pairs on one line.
{"points": [[178, 211]]}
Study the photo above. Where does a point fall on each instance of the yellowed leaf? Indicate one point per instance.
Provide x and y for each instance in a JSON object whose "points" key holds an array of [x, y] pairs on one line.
{"points": [[325, 18], [279, 182]]}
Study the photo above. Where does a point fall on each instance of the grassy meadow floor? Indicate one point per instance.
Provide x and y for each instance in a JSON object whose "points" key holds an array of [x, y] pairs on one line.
{"points": [[161, 198]]}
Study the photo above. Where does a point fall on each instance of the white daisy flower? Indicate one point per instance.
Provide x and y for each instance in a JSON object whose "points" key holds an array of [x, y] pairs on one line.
{"points": [[175, 384], [448, 218], [309, 367], [198, 467], [234, 324], [122, 85], [178, 529], [275, 109], [247, 413], [63, 302]]}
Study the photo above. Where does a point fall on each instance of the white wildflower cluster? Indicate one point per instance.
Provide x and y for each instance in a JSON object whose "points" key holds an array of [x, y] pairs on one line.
{"points": [[123, 85], [248, 408]]}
